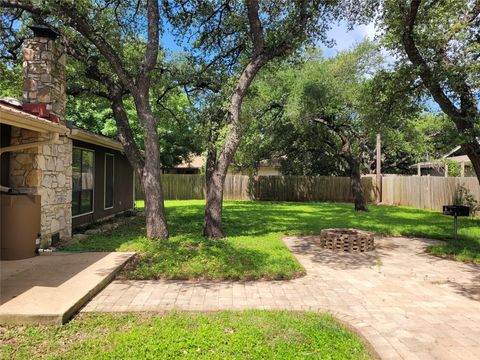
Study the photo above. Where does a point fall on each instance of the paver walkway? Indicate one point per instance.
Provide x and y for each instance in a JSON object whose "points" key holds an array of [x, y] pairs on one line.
{"points": [[406, 303]]}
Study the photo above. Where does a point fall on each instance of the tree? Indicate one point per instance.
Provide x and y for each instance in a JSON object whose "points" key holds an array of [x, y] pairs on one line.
{"points": [[438, 41], [117, 45], [251, 34], [330, 94]]}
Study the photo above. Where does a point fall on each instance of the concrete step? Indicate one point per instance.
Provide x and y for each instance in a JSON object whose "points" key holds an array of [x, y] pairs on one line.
{"points": [[52, 287]]}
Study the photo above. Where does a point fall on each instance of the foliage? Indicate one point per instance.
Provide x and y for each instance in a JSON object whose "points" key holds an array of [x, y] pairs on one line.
{"points": [[463, 196], [437, 42], [453, 166], [217, 335], [253, 249], [356, 89]]}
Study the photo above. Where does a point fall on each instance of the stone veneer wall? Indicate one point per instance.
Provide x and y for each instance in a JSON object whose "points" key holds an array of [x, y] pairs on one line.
{"points": [[46, 171], [44, 75]]}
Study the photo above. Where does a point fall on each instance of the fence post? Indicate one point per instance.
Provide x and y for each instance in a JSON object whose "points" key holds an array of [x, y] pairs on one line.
{"points": [[378, 169]]}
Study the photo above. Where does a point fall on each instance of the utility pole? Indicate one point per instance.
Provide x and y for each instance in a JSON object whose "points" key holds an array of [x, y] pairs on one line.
{"points": [[378, 168]]}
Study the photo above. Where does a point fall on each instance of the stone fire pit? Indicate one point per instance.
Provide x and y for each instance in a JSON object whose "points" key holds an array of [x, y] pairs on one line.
{"points": [[346, 240]]}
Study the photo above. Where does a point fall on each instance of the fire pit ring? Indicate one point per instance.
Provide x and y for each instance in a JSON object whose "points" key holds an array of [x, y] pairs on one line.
{"points": [[346, 240]]}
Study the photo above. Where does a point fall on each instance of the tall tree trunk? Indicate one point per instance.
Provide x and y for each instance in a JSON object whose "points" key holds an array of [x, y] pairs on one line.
{"points": [[217, 170], [148, 170], [354, 164], [151, 179], [357, 187], [212, 223]]}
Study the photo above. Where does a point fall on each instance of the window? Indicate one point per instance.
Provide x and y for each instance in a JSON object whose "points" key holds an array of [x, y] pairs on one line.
{"points": [[82, 177], [109, 160]]}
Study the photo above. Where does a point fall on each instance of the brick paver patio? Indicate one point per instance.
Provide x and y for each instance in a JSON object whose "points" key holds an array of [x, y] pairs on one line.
{"points": [[406, 303]]}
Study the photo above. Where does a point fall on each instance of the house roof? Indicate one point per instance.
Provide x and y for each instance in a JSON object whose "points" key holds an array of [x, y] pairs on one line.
{"points": [[447, 156], [11, 113], [91, 138], [13, 116], [429, 164], [194, 162]]}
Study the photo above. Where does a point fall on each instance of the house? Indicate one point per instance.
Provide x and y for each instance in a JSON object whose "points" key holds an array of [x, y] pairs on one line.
{"points": [[265, 168], [80, 177], [439, 167], [196, 165]]}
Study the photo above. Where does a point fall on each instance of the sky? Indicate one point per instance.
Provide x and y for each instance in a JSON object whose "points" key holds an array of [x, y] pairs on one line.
{"points": [[344, 38]]}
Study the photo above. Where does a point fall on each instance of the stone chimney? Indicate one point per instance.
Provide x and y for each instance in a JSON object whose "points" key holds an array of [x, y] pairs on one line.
{"points": [[45, 170], [44, 75]]}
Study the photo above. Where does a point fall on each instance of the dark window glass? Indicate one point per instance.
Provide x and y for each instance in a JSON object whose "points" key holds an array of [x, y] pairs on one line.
{"points": [[109, 159], [82, 178]]}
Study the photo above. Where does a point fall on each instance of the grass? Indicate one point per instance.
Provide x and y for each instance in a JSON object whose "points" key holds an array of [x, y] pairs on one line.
{"points": [[253, 248], [252, 334]]}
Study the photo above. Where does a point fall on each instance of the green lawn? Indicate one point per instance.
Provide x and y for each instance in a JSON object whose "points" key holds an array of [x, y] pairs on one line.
{"points": [[220, 335], [253, 248]]}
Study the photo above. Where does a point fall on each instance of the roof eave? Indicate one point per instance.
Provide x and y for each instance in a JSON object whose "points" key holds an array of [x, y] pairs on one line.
{"points": [[88, 137], [20, 119]]}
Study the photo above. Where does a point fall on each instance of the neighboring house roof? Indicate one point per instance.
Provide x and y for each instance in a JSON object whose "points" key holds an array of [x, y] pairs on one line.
{"points": [[430, 164], [11, 113], [451, 152], [194, 162], [448, 156]]}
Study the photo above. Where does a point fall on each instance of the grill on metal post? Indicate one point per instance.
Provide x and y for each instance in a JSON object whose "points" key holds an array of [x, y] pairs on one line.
{"points": [[455, 211]]}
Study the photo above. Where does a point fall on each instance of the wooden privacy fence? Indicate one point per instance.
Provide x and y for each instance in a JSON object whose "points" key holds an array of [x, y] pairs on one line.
{"points": [[425, 192], [275, 188]]}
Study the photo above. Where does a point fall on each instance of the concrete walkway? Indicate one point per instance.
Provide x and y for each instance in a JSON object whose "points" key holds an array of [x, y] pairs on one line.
{"points": [[50, 288], [406, 303]]}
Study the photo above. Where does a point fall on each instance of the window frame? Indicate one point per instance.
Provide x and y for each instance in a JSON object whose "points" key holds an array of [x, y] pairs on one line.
{"points": [[105, 181], [93, 190]]}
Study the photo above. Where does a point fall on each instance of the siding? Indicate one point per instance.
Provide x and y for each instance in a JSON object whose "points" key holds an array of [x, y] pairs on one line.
{"points": [[123, 185]]}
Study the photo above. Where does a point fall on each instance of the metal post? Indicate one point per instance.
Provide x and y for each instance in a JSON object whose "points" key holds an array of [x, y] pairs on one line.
{"points": [[455, 225]]}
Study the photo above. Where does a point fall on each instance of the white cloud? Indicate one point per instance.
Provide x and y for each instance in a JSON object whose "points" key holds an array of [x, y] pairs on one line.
{"points": [[345, 38]]}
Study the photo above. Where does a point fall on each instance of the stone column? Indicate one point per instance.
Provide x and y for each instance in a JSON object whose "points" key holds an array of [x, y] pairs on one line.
{"points": [[45, 170], [44, 77]]}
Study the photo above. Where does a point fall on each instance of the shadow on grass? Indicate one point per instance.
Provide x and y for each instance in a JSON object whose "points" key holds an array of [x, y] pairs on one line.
{"points": [[253, 249], [245, 218], [181, 258]]}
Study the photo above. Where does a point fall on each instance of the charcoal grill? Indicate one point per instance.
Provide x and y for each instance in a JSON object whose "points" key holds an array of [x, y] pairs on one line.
{"points": [[456, 211]]}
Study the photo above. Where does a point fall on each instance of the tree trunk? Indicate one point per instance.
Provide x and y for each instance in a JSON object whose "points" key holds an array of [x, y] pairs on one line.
{"points": [[156, 219], [147, 170], [354, 164], [217, 169], [212, 223], [473, 152], [357, 187]]}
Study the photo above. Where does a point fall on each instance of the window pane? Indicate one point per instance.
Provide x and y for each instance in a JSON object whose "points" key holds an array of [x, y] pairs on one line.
{"points": [[76, 180], [109, 159], [82, 178], [87, 170], [86, 201]]}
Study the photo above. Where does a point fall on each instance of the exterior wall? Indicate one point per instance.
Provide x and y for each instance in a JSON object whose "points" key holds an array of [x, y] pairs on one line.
{"points": [[123, 185], [46, 171], [5, 158]]}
